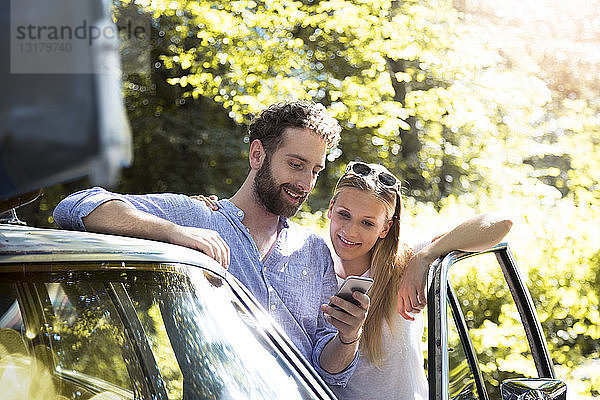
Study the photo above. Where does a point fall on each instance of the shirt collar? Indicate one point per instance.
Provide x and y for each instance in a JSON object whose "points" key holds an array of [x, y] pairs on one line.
{"points": [[232, 210]]}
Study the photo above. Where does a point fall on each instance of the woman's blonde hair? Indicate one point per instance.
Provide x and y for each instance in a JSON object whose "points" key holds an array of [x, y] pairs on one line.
{"points": [[388, 258]]}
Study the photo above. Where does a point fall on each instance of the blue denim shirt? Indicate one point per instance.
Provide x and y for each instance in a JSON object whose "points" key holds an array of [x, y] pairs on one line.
{"points": [[292, 283]]}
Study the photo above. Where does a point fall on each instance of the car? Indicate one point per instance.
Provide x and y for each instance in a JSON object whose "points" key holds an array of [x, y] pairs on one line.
{"points": [[93, 316]]}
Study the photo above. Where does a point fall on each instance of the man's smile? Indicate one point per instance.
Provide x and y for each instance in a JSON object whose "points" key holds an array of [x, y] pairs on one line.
{"points": [[295, 197]]}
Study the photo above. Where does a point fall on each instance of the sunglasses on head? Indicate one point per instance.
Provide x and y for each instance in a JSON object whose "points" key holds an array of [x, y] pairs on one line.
{"points": [[363, 169]]}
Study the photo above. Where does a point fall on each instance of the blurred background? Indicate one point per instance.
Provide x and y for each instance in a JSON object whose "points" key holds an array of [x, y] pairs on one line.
{"points": [[476, 106]]}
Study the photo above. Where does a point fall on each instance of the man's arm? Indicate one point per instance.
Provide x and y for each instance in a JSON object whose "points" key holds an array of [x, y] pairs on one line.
{"points": [[118, 218], [97, 210], [474, 234]]}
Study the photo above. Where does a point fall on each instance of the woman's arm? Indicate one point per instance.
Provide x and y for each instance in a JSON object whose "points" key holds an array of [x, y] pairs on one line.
{"points": [[474, 234]]}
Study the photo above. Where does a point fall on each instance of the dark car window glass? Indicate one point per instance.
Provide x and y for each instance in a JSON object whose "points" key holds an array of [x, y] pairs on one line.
{"points": [[13, 344], [495, 327], [205, 344], [16, 365], [152, 322], [424, 341], [69, 346], [86, 333], [10, 313], [147, 331], [460, 376]]}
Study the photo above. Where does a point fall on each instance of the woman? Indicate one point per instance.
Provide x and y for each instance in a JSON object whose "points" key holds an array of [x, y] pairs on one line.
{"points": [[365, 233], [364, 218]]}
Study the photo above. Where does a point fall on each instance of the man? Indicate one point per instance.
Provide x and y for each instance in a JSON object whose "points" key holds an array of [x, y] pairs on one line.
{"points": [[287, 268]]}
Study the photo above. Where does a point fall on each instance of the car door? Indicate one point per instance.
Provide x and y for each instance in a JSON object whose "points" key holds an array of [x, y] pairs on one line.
{"points": [[483, 327]]}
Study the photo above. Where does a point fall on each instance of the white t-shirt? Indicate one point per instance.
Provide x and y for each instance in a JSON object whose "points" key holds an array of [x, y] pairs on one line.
{"points": [[402, 373]]}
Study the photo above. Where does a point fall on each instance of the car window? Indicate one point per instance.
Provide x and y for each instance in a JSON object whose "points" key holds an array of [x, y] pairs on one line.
{"points": [[494, 324], [425, 342], [87, 335], [71, 344], [205, 342], [461, 377], [80, 331], [10, 313]]}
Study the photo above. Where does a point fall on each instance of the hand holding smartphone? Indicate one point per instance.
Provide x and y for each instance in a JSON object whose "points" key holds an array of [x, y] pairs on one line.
{"points": [[351, 284]]}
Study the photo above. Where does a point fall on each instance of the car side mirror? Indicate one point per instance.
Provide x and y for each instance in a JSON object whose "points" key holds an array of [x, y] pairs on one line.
{"points": [[533, 389]]}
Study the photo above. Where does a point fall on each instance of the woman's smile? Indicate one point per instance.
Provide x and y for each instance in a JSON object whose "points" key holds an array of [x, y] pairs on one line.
{"points": [[347, 242]]}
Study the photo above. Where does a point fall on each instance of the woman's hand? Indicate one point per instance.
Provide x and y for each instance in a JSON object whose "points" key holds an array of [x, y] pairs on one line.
{"points": [[341, 350], [210, 201], [350, 318], [411, 294]]}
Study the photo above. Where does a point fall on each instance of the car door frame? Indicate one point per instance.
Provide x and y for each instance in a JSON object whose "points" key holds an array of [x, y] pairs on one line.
{"points": [[440, 295]]}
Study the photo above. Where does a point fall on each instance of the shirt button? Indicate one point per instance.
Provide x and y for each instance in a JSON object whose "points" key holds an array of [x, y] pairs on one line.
{"points": [[273, 307], [240, 213], [270, 289], [304, 272], [265, 269]]}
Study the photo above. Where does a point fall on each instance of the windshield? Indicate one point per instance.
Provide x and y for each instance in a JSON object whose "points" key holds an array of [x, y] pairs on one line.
{"points": [[139, 334], [206, 342]]}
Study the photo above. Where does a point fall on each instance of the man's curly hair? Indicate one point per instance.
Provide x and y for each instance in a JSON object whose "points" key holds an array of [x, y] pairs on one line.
{"points": [[269, 126]]}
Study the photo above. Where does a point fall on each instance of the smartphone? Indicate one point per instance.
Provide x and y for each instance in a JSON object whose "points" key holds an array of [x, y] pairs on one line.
{"points": [[351, 284]]}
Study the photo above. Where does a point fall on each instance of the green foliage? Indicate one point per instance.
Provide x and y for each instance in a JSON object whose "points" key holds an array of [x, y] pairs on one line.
{"points": [[414, 89]]}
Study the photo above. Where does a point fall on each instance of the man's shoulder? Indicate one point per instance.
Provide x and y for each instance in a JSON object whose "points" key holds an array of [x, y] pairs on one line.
{"points": [[181, 209]]}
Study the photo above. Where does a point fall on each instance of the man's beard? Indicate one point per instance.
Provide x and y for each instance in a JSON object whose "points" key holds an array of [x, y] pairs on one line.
{"points": [[268, 193]]}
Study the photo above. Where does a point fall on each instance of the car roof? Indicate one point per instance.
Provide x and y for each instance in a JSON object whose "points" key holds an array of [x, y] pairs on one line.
{"points": [[27, 244]]}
